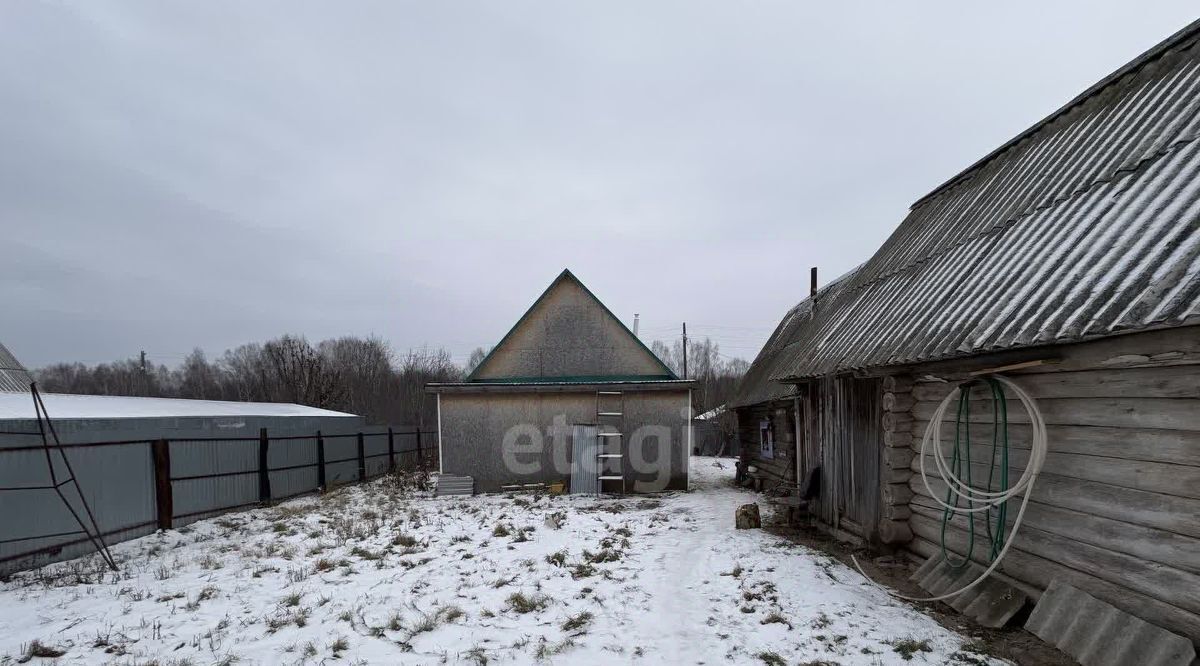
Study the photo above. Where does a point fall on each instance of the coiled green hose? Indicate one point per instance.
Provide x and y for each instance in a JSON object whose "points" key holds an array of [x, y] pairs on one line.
{"points": [[960, 462]]}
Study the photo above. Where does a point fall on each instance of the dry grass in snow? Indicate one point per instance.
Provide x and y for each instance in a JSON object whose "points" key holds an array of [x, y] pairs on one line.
{"points": [[381, 573]]}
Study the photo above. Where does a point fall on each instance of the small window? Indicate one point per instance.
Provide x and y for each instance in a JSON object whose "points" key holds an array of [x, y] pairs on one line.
{"points": [[766, 439]]}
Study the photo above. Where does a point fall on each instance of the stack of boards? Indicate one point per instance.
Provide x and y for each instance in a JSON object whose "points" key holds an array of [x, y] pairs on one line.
{"points": [[448, 484]]}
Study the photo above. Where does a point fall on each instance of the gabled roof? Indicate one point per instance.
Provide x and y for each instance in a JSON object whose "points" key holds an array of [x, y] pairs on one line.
{"points": [[1084, 226], [757, 385], [639, 363], [13, 375]]}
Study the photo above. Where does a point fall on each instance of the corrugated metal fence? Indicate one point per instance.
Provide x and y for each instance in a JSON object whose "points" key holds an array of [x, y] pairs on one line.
{"points": [[134, 487]]}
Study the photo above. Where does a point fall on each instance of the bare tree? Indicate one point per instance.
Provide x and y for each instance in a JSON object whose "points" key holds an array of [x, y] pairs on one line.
{"points": [[118, 378], [242, 374], [667, 356], [198, 378], [476, 357], [297, 373], [417, 369], [715, 376], [364, 368]]}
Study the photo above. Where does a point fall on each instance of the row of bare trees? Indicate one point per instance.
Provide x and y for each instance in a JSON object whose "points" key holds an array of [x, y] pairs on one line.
{"points": [[357, 375], [716, 375]]}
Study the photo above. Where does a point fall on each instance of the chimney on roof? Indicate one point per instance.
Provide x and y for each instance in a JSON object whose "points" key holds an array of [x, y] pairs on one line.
{"points": [[635, 324], [812, 279]]}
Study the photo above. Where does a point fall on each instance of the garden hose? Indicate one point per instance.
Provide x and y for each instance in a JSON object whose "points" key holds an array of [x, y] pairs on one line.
{"points": [[977, 500], [961, 458]]}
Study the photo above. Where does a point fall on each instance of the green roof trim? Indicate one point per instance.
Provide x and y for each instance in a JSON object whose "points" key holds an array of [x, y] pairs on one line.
{"points": [[577, 379], [565, 275]]}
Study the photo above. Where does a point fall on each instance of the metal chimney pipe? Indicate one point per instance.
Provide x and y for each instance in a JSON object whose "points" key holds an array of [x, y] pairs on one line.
{"points": [[813, 282], [635, 324]]}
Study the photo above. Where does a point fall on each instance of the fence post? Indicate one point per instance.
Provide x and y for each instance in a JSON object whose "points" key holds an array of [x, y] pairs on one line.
{"points": [[264, 475], [391, 451], [321, 462], [160, 454], [420, 456], [362, 460]]}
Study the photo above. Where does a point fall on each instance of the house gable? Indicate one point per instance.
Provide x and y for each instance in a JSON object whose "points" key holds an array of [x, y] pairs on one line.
{"points": [[569, 335]]}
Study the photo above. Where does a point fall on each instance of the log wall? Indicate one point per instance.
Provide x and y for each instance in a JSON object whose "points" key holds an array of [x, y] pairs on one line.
{"points": [[1116, 510], [781, 469]]}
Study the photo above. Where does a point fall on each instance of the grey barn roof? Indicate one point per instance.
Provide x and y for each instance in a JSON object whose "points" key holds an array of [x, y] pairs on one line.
{"points": [[13, 376], [757, 385], [1087, 225]]}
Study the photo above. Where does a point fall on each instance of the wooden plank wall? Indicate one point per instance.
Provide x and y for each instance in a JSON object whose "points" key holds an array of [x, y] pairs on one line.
{"points": [[782, 468], [1116, 510], [852, 449]]}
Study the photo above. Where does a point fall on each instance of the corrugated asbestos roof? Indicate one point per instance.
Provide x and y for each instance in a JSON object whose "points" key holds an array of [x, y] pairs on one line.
{"points": [[992, 603], [13, 376], [757, 385], [1099, 634], [1087, 226]]}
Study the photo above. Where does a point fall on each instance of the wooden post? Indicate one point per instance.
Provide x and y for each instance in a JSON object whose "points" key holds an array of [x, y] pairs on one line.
{"points": [[362, 460], [391, 451], [160, 454], [321, 462], [420, 456], [264, 474]]}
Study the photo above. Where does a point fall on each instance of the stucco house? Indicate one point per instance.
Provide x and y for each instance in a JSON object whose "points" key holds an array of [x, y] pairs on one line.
{"points": [[569, 395]]}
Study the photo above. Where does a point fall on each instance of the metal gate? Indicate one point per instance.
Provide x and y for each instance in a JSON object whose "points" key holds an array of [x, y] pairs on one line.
{"points": [[584, 468]]}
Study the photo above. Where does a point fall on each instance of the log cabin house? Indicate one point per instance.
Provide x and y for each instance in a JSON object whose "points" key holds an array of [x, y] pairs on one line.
{"points": [[1067, 260]]}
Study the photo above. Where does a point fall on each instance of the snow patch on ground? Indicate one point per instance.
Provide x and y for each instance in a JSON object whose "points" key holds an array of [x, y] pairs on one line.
{"points": [[378, 573]]}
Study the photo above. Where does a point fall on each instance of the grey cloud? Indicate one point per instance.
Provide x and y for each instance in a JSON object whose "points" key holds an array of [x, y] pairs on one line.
{"points": [[182, 174]]}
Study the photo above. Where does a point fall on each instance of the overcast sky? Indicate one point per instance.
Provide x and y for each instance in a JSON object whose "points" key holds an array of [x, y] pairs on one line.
{"points": [[188, 174]]}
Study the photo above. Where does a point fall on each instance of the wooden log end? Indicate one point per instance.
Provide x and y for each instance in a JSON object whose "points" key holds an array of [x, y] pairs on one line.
{"points": [[895, 531], [897, 383]]}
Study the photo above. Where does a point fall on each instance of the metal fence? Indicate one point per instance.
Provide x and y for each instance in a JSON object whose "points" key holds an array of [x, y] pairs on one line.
{"points": [[135, 487]]}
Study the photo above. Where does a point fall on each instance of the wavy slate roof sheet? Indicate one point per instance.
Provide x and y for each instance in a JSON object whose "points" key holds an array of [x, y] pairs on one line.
{"points": [[757, 386], [1084, 226], [13, 376]]}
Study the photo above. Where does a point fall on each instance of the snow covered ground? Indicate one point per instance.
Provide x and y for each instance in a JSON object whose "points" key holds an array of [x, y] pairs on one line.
{"points": [[379, 574]]}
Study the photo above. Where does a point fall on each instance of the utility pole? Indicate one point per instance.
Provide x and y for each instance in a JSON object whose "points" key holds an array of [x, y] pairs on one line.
{"points": [[685, 375], [145, 383]]}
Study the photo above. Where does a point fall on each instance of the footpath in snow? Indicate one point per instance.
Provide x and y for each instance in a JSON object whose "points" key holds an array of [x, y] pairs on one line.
{"points": [[380, 574]]}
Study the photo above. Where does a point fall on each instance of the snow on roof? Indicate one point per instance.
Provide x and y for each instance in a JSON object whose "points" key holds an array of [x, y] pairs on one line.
{"points": [[711, 414], [65, 406]]}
